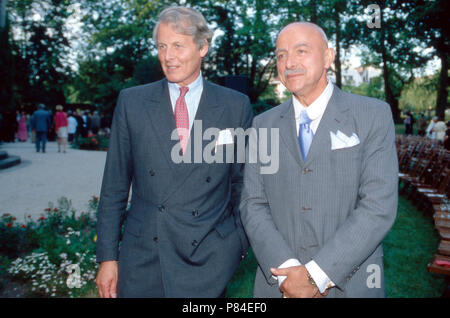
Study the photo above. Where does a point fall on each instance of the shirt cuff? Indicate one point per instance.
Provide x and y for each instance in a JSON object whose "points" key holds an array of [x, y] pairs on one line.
{"points": [[321, 279], [289, 263]]}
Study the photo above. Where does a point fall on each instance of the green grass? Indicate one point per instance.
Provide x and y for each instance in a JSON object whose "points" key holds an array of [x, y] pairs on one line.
{"points": [[408, 248], [400, 129]]}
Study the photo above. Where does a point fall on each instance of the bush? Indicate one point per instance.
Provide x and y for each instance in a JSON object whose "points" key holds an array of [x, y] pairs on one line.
{"points": [[53, 256], [92, 142]]}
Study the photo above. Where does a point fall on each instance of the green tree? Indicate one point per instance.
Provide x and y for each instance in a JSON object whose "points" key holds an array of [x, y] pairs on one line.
{"points": [[7, 69], [395, 46], [431, 21], [40, 47], [420, 95]]}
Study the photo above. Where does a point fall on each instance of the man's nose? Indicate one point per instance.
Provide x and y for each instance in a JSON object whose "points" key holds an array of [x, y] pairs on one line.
{"points": [[291, 62], [169, 54]]}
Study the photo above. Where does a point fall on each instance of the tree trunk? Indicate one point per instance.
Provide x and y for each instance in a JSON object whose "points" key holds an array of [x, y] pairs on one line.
{"points": [[389, 96], [337, 60], [441, 102]]}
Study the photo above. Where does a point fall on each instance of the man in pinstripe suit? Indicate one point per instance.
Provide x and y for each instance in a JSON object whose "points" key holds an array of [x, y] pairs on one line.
{"points": [[316, 225]]}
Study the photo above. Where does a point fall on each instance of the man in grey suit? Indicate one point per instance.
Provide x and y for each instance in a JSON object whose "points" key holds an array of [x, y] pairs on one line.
{"points": [[183, 236], [41, 123], [316, 225]]}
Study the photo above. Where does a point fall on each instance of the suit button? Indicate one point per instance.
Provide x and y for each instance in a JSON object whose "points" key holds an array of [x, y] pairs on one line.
{"points": [[208, 179], [306, 170], [195, 213], [304, 209], [161, 208], [194, 243], [152, 172], [155, 239]]}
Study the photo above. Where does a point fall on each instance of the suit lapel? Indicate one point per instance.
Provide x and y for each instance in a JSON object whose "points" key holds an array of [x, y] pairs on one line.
{"points": [[288, 131], [209, 113], [159, 109], [334, 118]]}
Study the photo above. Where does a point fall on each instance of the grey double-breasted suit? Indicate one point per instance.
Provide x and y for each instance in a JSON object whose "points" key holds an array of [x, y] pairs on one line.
{"points": [[183, 236]]}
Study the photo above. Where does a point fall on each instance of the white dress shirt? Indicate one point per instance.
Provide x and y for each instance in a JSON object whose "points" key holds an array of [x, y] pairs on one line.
{"points": [[315, 112], [192, 97]]}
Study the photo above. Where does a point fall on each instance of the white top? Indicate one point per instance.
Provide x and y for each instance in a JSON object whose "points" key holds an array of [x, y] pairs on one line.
{"points": [[72, 124]]}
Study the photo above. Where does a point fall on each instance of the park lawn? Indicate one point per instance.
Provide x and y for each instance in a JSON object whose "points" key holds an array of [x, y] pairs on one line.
{"points": [[408, 247]]}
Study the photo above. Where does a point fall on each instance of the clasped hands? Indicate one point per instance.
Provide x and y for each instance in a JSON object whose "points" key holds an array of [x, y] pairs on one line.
{"points": [[296, 284]]}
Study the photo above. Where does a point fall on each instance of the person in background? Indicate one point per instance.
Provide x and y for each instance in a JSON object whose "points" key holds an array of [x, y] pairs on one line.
{"points": [[409, 121], [84, 128], [72, 126], [447, 137], [22, 131], [79, 120], [95, 123], [421, 125], [61, 127], [430, 133], [41, 124], [440, 127]]}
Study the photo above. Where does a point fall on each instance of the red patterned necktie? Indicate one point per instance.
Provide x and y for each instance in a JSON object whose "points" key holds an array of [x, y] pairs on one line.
{"points": [[182, 119]]}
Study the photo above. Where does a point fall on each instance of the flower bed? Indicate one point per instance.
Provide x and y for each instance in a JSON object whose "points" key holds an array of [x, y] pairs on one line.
{"points": [[93, 142], [53, 256]]}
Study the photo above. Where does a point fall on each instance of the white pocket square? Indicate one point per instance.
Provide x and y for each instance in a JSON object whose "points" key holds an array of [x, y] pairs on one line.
{"points": [[225, 137], [340, 140]]}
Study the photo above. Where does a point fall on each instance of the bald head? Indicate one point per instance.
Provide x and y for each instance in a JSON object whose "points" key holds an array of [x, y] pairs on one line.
{"points": [[303, 58], [312, 28]]}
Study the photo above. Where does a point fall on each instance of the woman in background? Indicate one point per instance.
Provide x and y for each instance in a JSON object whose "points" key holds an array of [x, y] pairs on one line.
{"points": [[22, 131], [61, 127]]}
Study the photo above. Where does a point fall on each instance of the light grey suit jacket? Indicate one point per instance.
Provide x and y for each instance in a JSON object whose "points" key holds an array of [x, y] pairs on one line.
{"points": [[336, 207]]}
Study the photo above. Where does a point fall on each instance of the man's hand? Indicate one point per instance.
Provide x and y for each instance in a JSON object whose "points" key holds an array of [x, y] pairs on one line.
{"points": [[296, 284], [107, 279]]}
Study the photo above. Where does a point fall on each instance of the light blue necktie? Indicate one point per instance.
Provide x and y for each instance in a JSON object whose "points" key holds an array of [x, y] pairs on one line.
{"points": [[305, 134]]}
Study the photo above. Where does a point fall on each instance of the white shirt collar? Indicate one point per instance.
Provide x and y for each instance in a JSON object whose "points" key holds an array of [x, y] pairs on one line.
{"points": [[194, 86], [316, 109]]}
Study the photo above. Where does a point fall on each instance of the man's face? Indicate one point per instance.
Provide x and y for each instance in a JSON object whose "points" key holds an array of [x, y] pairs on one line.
{"points": [[302, 60], [179, 56]]}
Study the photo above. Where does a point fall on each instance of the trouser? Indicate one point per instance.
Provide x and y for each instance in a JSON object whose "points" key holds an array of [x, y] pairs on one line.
{"points": [[41, 137]]}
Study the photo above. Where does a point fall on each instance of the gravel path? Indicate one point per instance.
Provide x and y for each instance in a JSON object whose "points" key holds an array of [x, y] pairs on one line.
{"points": [[26, 189]]}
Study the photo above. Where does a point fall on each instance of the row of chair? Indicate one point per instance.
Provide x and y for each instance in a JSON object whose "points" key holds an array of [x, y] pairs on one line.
{"points": [[424, 177]]}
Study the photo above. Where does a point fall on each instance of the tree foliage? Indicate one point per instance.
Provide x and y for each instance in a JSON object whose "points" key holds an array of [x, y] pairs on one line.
{"points": [[115, 47]]}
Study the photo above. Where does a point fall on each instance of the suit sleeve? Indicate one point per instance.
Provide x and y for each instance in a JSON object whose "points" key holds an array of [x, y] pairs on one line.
{"points": [[115, 186], [237, 176], [269, 246], [363, 231]]}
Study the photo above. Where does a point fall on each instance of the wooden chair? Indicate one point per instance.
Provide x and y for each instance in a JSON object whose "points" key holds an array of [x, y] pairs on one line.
{"points": [[444, 248]]}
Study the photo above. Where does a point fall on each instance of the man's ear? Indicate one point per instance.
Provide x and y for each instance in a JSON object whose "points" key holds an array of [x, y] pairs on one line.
{"points": [[329, 57], [204, 49]]}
